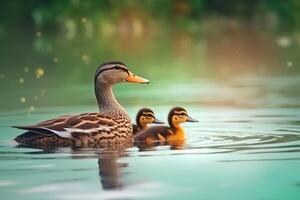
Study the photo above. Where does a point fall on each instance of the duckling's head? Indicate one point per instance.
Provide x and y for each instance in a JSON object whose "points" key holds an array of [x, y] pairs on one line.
{"points": [[146, 116], [179, 115], [112, 72]]}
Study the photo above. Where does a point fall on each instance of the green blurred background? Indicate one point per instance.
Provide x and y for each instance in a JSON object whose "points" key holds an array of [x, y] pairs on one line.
{"points": [[47, 45]]}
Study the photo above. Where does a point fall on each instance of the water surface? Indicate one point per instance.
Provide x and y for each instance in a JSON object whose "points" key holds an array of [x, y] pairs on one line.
{"points": [[246, 145]]}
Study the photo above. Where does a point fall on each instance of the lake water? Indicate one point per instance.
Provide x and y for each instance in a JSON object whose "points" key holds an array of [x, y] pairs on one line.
{"points": [[246, 145]]}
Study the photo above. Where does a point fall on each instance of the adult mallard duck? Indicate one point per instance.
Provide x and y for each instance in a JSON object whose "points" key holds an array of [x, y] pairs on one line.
{"points": [[111, 125], [144, 117], [173, 132]]}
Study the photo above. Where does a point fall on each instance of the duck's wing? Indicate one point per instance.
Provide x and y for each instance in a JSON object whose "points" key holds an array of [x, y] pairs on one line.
{"points": [[154, 131], [64, 126]]}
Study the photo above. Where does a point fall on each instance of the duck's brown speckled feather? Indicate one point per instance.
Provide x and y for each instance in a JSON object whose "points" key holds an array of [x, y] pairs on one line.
{"points": [[87, 128]]}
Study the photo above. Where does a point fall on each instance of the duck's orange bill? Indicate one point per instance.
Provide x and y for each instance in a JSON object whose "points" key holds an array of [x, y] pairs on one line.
{"points": [[135, 79]]}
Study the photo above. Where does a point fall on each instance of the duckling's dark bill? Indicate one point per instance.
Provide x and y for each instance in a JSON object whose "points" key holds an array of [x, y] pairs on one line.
{"points": [[190, 119], [157, 121], [136, 79]]}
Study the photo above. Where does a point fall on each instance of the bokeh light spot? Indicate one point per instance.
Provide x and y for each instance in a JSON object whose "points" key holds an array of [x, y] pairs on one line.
{"points": [[39, 33], [23, 99], [26, 69], [21, 80], [39, 72]]}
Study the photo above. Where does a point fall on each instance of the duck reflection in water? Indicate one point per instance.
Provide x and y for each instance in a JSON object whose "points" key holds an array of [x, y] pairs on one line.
{"points": [[110, 170]]}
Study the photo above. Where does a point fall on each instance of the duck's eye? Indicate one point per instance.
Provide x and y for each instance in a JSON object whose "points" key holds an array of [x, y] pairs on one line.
{"points": [[117, 67]]}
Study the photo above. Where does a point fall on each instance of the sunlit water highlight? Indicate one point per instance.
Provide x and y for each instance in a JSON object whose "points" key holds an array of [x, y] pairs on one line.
{"points": [[246, 146]]}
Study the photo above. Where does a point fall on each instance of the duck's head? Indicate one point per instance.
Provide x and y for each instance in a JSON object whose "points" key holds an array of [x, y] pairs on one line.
{"points": [[146, 116], [112, 72], [179, 115]]}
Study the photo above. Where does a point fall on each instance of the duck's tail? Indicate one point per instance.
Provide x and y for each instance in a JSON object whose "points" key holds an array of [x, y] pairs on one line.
{"points": [[26, 137], [35, 135]]}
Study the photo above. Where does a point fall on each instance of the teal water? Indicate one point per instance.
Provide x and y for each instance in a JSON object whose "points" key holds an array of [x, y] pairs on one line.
{"points": [[246, 145]]}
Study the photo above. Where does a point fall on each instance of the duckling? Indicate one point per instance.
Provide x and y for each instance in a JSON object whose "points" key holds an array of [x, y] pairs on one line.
{"points": [[173, 132], [144, 117], [111, 125]]}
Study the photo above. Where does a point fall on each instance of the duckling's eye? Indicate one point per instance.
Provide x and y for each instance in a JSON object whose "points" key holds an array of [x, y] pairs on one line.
{"points": [[117, 67], [149, 116]]}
